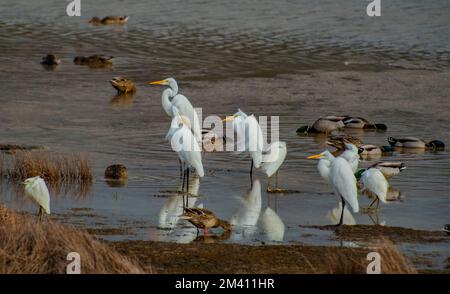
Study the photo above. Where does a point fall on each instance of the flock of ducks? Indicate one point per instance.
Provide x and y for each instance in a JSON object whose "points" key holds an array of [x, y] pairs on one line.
{"points": [[186, 137]]}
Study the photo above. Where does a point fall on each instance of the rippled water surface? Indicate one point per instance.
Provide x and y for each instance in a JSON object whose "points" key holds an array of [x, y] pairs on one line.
{"points": [[296, 59]]}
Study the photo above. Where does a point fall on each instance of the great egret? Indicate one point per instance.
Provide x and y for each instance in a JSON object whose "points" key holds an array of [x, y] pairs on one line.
{"points": [[343, 180], [37, 190], [325, 124], [351, 154], [411, 142], [274, 158], [362, 123], [187, 147], [374, 181], [181, 104], [248, 127]]}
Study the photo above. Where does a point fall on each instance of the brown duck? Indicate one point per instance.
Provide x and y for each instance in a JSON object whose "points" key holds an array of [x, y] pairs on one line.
{"points": [[123, 85], [109, 20], [204, 218], [94, 60]]}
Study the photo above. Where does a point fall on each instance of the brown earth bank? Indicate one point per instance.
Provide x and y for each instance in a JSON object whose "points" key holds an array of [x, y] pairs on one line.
{"points": [[220, 258]]}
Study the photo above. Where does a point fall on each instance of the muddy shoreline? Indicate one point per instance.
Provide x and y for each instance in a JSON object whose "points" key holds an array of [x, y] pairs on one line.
{"points": [[208, 256]]}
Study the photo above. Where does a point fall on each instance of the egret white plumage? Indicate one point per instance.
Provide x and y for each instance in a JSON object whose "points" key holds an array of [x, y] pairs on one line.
{"points": [[341, 177], [351, 154], [273, 159], [272, 225], [181, 103], [374, 181], [187, 147], [247, 127], [37, 190]]}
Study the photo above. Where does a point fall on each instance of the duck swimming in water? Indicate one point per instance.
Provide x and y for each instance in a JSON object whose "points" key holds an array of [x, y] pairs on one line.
{"points": [[411, 142], [339, 141], [204, 218], [362, 123], [123, 85], [50, 60], [94, 60], [109, 20], [369, 149], [325, 125]]}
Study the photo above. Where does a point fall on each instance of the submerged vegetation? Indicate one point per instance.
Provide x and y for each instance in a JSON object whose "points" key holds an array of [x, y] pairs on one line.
{"points": [[34, 247]]}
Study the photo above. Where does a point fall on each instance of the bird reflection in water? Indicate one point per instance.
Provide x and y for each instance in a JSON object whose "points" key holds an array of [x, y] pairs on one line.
{"points": [[246, 218]]}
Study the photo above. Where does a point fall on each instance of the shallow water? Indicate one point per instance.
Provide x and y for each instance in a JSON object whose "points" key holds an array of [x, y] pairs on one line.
{"points": [[287, 60]]}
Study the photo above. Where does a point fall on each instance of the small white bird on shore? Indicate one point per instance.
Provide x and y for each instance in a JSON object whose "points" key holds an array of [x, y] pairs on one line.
{"points": [[37, 190]]}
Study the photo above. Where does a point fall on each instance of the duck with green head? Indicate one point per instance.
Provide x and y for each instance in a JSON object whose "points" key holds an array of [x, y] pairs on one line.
{"points": [[412, 142]]}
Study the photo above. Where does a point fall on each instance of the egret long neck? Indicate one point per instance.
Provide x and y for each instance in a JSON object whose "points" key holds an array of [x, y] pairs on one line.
{"points": [[166, 103]]}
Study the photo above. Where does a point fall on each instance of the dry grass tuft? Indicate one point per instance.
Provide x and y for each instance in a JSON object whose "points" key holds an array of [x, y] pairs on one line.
{"points": [[51, 167], [392, 260], [62, 173], [27, 246]]}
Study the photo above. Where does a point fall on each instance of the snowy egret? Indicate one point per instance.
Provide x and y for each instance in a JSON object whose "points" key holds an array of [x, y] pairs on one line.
{"points": [[273, 159], [37, 190], [181, 103], [343, 180]]}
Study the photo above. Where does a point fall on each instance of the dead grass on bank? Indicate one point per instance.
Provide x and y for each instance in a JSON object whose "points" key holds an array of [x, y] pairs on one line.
{"points": [[28, 246], [62, 172], [392, 261]]}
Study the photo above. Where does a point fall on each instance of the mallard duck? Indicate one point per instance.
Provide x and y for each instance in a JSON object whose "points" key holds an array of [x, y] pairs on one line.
{"points": [[109, 20], [50, 60], [123, 85], [389, 168], [411, 142], [204, 218], [325, 124], [362, 123], [447, 229], [339, 141], [368, 149], [94, 60]]}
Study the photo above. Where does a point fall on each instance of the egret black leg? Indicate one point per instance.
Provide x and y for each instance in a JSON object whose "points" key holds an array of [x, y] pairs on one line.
{"points": [[251, 172], [182, 188], [341, 221], [370, 205], [181, 168], [187, 188]]}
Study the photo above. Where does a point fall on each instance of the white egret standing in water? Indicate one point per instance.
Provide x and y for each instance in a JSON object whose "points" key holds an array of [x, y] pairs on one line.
{"points": [[179, 104], [37, 190], [341, 177], [273, 159], [187, 147], [374, 181], [253, 136]]}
